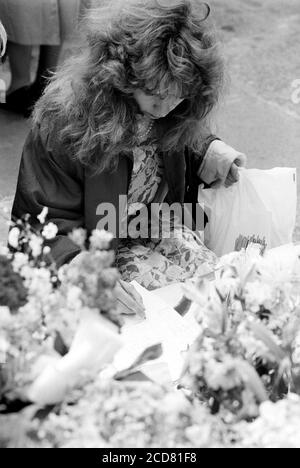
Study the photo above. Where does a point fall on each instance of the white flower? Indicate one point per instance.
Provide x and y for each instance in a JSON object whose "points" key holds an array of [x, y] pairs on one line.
{"points": [[230, 259], [100, 239], [275, 414], [222, 375], [35, 244], [239, 265], [5, 317], [279, 266], [78, 236], [4, 251], [258, 294], [13, 237], [254, 347], [40, 283], [73, 297], [43, 215], [50, 231], [175, 402], [200, 436], [19, 261], [27, 272], [227, 286], [4, 347], [277, 426]]}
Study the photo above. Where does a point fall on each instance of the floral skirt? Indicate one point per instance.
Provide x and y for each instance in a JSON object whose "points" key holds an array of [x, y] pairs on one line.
{"points": [[155, 264]]}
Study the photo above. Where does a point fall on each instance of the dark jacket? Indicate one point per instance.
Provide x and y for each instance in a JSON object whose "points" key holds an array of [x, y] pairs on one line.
{"points": [[72, 192]]}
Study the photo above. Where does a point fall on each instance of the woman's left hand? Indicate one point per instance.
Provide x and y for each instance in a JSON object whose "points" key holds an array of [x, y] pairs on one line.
{"points": [[221, 165], [129, 300]]}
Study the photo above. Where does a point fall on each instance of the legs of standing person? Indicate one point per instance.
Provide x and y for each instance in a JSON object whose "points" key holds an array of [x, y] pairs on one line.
{"points": [[69, 14], [18, 97], [60, 20], [20, 65], [22, 94], [49, 57], [48, 61]]}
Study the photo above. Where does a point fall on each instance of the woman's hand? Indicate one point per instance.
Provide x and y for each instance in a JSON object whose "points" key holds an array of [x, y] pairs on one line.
{"points": [[221, 165], [129, 300]]}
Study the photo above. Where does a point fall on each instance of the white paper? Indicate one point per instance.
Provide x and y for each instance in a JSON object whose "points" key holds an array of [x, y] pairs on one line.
{"points": [[162, 325]]}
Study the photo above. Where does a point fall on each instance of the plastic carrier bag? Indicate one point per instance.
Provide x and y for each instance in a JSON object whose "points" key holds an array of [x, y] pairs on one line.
{"points": [[263, 203]]}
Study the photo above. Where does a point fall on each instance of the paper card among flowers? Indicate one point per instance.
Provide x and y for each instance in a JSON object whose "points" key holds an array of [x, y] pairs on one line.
{"points": [[162, 325]]}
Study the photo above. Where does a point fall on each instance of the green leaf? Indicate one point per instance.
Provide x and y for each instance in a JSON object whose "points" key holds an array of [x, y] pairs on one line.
{"points": [[183, 306], [251, 378], [262, 333], [149, 354]]}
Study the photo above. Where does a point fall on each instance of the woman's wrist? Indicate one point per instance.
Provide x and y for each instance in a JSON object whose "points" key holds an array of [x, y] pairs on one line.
{"points": [[218, 160], [207, 145]]}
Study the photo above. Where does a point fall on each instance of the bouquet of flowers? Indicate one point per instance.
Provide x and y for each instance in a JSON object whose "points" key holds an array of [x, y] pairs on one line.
{"points": [[276, 427], [54, 324], [59, 328], [27, 294], [114, 414], [248, 351]]}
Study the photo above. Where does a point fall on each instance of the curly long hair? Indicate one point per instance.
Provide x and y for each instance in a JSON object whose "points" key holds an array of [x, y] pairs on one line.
{"points": [[89, 108]]}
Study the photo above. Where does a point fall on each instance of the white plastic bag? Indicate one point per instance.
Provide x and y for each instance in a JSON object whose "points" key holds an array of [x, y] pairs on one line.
{"points": [[263, 203]]}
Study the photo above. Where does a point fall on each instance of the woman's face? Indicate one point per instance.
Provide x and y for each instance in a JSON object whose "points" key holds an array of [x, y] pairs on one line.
{"points": [[156, 105]]}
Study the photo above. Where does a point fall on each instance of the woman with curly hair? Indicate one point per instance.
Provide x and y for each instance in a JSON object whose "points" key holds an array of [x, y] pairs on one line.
{"points": [[129, 116]]}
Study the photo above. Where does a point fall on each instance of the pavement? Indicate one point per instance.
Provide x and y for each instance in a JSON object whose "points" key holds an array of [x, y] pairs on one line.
{"points": [[13, 131], [256, 115], [266, 133]]}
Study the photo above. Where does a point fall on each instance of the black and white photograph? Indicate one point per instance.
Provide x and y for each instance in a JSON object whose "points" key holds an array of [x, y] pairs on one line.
{"points": [[149, 226]]}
